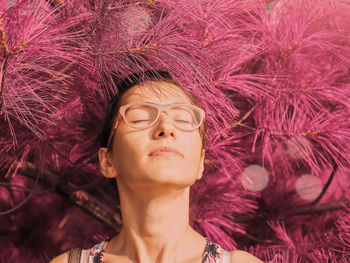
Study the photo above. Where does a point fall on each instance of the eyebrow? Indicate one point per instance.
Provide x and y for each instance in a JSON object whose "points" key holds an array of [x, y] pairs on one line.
{"points": [[166, 104], [155, 103]]}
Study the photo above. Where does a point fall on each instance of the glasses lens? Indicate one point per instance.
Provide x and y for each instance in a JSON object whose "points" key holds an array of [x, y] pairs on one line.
{"points": [[141, 116], [186, 117]]}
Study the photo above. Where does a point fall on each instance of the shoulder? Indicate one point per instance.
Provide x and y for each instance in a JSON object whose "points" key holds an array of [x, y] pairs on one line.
{"points": [[240, 256], [63, 258]]}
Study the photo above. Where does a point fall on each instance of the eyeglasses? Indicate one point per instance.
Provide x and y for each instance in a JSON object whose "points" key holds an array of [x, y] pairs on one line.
{"points": [[185, 117]]}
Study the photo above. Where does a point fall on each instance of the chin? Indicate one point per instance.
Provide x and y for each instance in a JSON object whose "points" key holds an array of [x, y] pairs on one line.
{"points": [[171, 179]]}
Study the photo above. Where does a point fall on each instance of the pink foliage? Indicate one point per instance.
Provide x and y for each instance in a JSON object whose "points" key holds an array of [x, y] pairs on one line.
{"points": [[274, 85], [37, 52]]}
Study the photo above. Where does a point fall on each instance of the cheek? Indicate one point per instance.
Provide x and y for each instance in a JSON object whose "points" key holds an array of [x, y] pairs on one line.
{"points": [[193, 144], [193, 150], [127, 151]]}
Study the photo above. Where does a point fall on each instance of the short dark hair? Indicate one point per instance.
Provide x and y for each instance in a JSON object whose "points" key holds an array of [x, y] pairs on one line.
{"points": [[131, 81]]}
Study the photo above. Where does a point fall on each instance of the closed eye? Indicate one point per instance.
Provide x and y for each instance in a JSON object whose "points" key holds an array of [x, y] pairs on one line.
{"points": [[138, 121], [184, 121]]}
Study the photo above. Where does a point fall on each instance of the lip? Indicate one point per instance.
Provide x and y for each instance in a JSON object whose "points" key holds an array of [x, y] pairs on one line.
{"points": [[166, 151]]}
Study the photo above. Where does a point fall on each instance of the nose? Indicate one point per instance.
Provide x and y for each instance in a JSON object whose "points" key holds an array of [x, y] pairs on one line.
{"points": [[164, 127]]}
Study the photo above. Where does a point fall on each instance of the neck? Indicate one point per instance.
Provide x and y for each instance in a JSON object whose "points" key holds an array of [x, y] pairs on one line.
{"points": [[155, 226]]}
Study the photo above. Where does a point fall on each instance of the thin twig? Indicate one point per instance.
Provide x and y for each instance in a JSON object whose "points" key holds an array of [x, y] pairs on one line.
{"points": [[239, 123], [307, 90], [140, 49], [4, 64], [335, 167], [10, 185], [147, 2], [24, 201], [303, 210], [3, 72], [304, 134], [265, 241], [6, 55], [320, 208], [286, 55], [98, 21], [2, 39]]}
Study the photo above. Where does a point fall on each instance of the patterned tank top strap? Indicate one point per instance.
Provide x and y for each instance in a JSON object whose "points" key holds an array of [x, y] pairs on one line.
{"points": [[211, 253], [94, 254]]}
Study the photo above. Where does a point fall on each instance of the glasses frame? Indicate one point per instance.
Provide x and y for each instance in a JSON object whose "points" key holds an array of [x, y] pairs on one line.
{"points": [[160, 108]]}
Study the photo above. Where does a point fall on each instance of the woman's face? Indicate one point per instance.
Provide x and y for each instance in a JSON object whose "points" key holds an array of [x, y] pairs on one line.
{"points": [[131, 158]]}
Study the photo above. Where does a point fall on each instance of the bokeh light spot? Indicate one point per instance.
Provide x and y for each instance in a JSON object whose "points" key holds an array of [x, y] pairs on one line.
{"points": [[308, 187], [254, 178]]}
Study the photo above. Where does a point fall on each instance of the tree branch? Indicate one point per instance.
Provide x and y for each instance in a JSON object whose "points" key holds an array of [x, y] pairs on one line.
{"points": [[81, 198]]}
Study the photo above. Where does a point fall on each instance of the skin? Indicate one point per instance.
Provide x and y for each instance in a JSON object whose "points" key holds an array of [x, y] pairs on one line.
{"points": [[154, 190]]}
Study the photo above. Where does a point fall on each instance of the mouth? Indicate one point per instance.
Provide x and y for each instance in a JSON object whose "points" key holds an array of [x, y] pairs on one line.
{"points": [[166, 151]]}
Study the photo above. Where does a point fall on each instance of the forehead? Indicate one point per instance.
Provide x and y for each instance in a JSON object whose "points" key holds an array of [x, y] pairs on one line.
{"points": [[155, 91]]}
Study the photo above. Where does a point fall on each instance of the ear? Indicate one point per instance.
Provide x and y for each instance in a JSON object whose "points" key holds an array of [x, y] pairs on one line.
{"points": [[201, 165], [106, 165]]}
